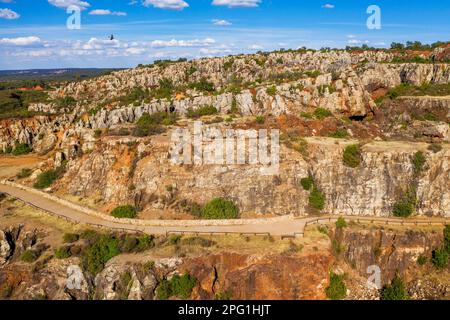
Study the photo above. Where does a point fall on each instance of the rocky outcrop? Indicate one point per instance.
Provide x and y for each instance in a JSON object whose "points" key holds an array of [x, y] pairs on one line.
{"points": [[390, 250], [14, 241], [119, 174]]}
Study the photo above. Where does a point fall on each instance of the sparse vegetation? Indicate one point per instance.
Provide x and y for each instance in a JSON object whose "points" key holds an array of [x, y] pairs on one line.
{"points": [[317, 199], [307, 183], [126, 211], [337, 290], [428, 89], [435, 148], [341, 223], [63, 253], [30, 256], [202, 85], [339, 134], [179, 286], [406, 206], [395, 291], [418, 161], [104, 248], [21, 149], [272, 91], [220, 208], [321, 113], [422, 260], [260, 119], [47, 178], [24, 173], [70, 237], [352, 156], [201, 112]]}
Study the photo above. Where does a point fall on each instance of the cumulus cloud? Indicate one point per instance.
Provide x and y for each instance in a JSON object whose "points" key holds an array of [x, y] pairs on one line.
{"points": [[256, 47], [219, 22], [98, 44], [166, 4], [21, 41], [216, 51], [64, 4], [183, 43], [328, 6], [9, 14], [107, 12], [237, 3]]}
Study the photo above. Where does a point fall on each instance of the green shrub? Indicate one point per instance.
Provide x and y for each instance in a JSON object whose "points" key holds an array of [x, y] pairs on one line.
{"points": [[435, 148], [306, 115], [223, 295], [406, 206], [440, 258], [70, 237], [129, 244], [418, 161], [202, 85], [101, 251], [395, 291], [352, 156], [337, 289], [339, 134], [307, 183], [25, 173], [260, 120], [179, 286], [341, 223], [175, 239], [127, 211], [447, 238], [220, 209], [422, 260], [317, 199], [45, 179], [321, 113], [63, 253], [21, 149], [272, 91], [201, 112], [144, 243], [30, 256]]}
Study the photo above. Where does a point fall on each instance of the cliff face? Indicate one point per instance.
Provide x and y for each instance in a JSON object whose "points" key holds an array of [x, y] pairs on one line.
{"points": [[295, 273], [144, 175], [392, 251]]}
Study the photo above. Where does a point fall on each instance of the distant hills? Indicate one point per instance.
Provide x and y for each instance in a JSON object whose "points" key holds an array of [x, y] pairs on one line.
{"points": [[68, 74]]}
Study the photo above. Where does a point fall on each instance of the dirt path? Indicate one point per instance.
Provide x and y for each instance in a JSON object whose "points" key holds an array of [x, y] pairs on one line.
{"points": [[11, 166], [285, 227]]}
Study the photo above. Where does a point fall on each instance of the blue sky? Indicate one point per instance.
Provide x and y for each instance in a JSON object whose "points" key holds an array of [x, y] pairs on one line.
{"points": [[33, 33]]}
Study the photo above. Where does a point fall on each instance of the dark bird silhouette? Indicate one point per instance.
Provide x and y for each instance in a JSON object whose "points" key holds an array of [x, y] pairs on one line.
{"points": [[111, 37]]}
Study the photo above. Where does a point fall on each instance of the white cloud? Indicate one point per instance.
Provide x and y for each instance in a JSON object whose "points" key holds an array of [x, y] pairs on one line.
{"points": [[328, 6], [64, 4], [237, 3], [356, 41], [166, 4], [106, 12], [98, 44], [209, 52], [21, 41], [218, 22], [183, 43], [9, 14], [135, 51], [256, 47]]}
